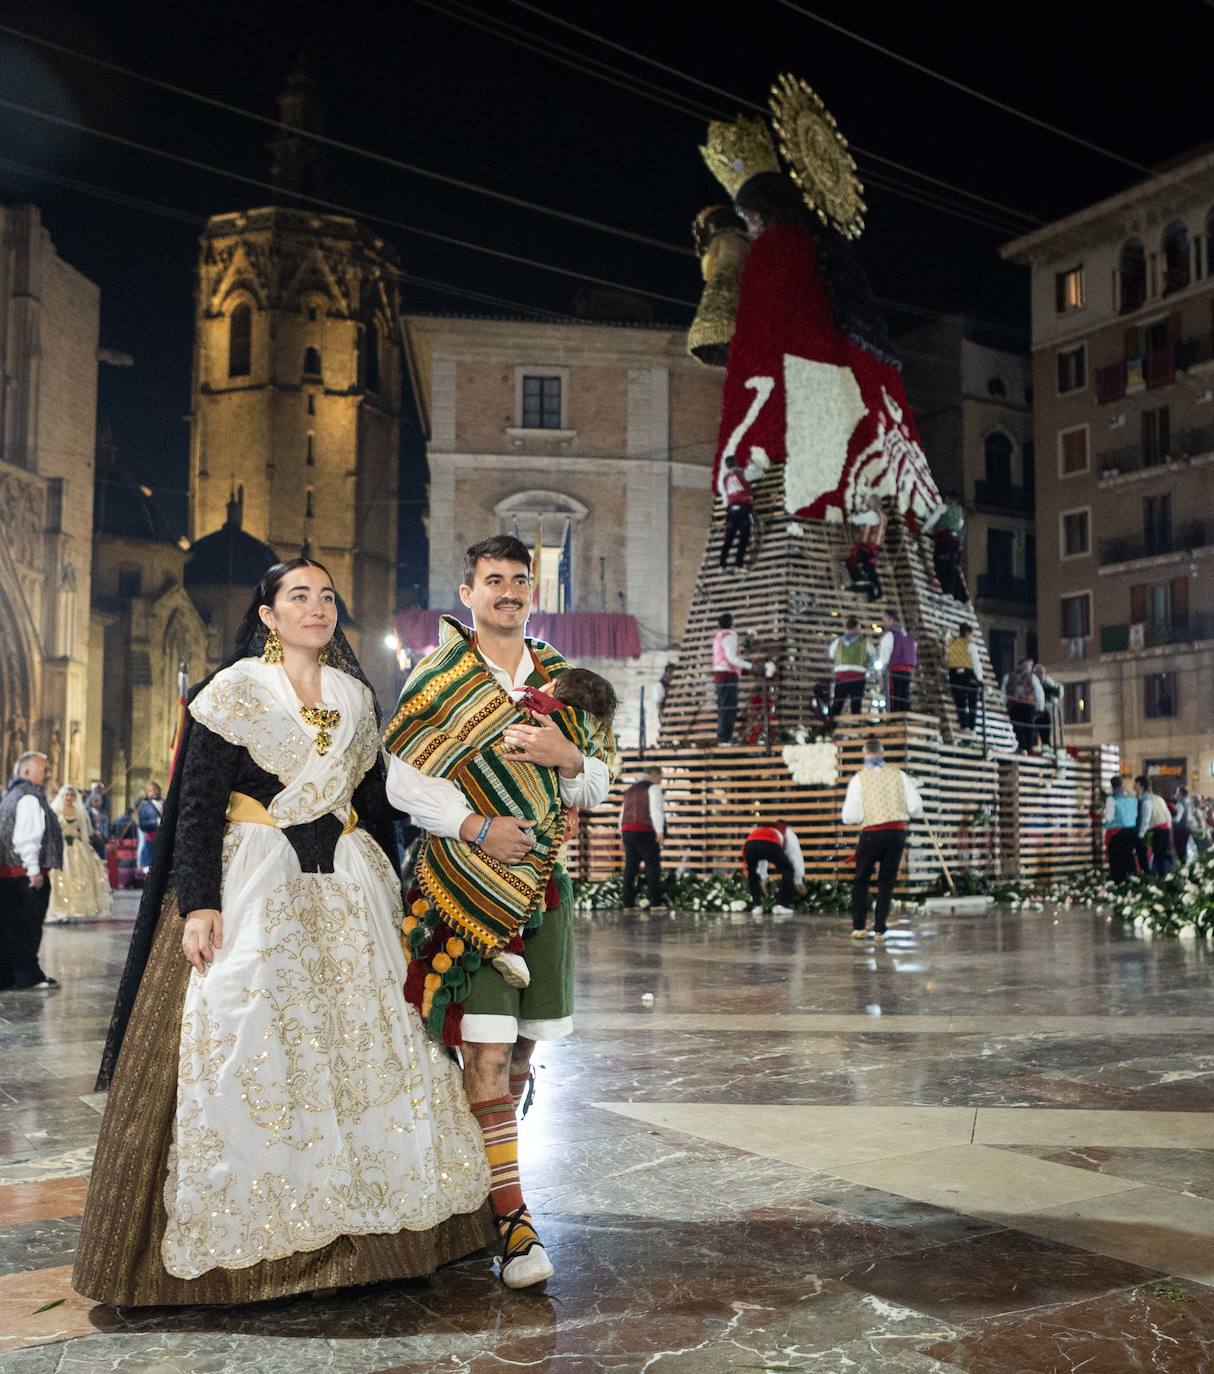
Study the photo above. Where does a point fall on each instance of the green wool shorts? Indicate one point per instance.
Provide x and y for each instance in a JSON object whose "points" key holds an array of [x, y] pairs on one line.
{"points": [[497, 1014]]}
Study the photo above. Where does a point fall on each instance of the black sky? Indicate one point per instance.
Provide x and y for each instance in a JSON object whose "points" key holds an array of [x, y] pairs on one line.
{"points": [[417, 85]]}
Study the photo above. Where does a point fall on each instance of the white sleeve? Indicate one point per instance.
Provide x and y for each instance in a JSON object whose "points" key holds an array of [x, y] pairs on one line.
{"points": [[914, 801], [758, 464], [28, 827], [657, 809], [834, 649], [792, 847], [865, 517], [1110, 810], [885, 649], [721, 482], [1038, 694], [853, 803], [729, 646], [436, 804], [589, 788], [976, 662]]}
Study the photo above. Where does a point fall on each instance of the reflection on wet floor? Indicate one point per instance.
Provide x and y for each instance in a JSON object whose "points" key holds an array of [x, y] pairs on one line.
{"points": [[983, 1147]]}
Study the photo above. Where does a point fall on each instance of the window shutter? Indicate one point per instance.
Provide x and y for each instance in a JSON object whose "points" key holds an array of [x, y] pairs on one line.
{"points": [[1059, 292], [1131, 344], [1180, 599], [1138, 603]]}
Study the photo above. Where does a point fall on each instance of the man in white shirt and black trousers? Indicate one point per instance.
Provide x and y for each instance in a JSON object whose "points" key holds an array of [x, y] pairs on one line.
{"points": [[642, 829], [880, 799], [31, 845]]}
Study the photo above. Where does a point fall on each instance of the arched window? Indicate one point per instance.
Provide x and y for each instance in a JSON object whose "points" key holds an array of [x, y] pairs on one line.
{"points": [[1132, 274], [240, 340], [997, 450], [1176, 269], [371, 378], [311, 363]]}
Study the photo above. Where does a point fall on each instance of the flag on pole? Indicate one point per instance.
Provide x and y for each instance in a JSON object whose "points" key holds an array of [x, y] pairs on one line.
{"points": [[537, 567], [565, 570]]}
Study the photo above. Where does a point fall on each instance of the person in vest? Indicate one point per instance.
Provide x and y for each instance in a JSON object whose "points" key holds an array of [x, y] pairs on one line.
{"points": [[31, 847], [964, 677], [727, 667], [1154, 829], [642, 829], [946, 525], [849, 654], [881, 799], [774, 846], [734, 488], [897, 656], [1025, 699], [1120, 829]]}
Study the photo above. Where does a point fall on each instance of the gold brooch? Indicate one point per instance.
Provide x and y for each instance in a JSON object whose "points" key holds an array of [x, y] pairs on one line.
{"points": [[322, 719]]}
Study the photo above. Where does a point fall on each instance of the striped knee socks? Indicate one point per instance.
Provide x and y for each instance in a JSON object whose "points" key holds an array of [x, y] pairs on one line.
{"points": [[498, 1124]]}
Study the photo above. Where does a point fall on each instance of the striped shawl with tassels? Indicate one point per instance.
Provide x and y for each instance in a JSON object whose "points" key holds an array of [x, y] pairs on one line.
{"points": [[448, 724]]}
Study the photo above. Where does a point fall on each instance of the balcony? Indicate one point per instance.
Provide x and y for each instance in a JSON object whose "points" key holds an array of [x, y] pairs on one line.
{"points": [[1152, 370], [1019, 591], [1192, 352], [1187, 443], [1115, 639], [1199, 534], [1003, 497]]}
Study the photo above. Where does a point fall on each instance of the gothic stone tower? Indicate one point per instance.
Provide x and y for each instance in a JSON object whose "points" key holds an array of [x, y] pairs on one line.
{"points": [[297, 381]]}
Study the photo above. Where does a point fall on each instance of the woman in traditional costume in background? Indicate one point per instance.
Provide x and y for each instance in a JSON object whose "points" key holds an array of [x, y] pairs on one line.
{"points": [[278, 1121], [80, 890]]}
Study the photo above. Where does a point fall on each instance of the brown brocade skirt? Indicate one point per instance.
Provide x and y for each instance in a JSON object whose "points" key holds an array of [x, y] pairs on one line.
{"points": [[118, 1258]]}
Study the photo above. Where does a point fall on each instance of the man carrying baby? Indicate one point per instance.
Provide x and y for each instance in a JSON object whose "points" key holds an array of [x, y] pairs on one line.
{"points": [[459, 708]]}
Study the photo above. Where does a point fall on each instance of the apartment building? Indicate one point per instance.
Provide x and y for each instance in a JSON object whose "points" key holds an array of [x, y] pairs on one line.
{"points": [[1123, 375]]}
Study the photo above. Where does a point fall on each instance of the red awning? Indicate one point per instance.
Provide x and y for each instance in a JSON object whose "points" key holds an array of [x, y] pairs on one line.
{"points": [[576, 634]]}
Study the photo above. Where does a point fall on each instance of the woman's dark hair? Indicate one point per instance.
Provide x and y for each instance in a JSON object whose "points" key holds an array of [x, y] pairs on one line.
{"points": [[776, 200]]}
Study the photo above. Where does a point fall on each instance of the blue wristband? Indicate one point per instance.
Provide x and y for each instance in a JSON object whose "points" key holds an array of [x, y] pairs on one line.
{"points": [[483, 831]]}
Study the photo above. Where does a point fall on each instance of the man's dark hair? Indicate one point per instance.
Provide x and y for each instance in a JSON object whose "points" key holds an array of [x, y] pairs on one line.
{"points": [[852, 623], [893, 615], [503, 547], [725, 621], [731, 461], [1117, 782], [582, 688], [1143, 782], [963, 630], [874, 748]]}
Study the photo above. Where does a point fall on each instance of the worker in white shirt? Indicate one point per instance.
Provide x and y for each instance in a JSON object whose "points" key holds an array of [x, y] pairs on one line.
{"points": [[964, 677], [897, 658], [735, 489], [774, 845], [642, 830], [728, 665], [881, 799], [849, 654], [31, 846]]}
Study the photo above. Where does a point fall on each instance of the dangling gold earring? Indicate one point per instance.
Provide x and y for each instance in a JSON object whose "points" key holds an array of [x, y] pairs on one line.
{"points": [[323, 657], [272, 653]]}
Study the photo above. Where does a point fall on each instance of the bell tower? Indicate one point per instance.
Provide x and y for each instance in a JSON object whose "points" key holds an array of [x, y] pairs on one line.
{"points": [[297, 377]]}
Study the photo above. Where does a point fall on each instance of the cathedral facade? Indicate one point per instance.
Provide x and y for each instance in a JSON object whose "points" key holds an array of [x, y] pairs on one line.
{"points": [[49, 322]]}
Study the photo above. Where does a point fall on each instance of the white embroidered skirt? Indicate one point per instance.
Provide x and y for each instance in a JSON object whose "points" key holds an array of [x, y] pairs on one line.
{"points": [[310, 1104]]}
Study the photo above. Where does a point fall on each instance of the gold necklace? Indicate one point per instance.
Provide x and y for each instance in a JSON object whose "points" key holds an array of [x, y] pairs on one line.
{"points": [[322, 719]]}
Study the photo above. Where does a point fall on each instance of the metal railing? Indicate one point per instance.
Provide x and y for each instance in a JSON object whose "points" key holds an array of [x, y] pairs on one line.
{"points": [[1198, 534], [1186, 443], [997, 587], [1116, 639], [1003, 496]]}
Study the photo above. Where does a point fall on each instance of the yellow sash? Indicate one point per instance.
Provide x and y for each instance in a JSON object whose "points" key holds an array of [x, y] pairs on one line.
{"points": [[242, 807]]}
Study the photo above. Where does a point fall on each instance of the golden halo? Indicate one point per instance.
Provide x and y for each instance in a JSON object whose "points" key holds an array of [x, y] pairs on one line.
{"points": [[817, 155]]}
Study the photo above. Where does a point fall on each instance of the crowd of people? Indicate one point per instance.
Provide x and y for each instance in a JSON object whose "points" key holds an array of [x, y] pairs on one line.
{"points": [[1146, 832]]}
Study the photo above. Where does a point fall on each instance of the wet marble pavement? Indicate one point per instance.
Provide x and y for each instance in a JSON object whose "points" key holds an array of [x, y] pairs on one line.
{"points": [[987, 1147]]}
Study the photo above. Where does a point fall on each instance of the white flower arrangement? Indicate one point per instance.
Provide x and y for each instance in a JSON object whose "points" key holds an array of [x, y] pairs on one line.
{"points": [[812, 765]]}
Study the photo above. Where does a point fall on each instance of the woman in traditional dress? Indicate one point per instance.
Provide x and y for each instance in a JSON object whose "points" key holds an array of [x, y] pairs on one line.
{"points": [[80, 890], [278, 1121]]}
